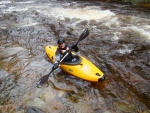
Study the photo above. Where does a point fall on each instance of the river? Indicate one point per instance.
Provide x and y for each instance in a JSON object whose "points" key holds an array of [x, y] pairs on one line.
{"points": [[118, 44]]}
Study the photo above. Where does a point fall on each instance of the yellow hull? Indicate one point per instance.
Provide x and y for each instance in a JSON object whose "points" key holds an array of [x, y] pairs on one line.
{"points": [[84, 70]]}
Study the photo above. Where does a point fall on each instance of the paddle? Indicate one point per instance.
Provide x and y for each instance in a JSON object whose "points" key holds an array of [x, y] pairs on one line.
{"points": [[82, 36], [44, 79]]}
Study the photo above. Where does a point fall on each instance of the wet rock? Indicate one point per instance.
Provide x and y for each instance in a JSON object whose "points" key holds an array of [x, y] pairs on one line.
{"points": [[33, 110], [7, 108], [124, 107], [7, 52], [80, 107], [61, 93], [44, 99], [62, 86], [36, 102], [106, 112], [3, 74]]}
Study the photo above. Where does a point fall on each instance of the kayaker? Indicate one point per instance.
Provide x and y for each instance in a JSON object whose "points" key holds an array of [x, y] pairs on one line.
{"points": [[62, 50]]}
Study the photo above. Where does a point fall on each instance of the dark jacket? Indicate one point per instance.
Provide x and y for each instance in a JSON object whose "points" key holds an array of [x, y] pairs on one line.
{"points": [[59, 55]]}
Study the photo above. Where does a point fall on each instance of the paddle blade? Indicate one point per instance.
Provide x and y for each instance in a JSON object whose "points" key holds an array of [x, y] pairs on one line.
{"points": [[84, 35], [43, 79]]}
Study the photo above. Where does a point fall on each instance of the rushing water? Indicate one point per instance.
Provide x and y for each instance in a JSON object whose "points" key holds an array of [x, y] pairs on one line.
{"points": [[118, 44]]}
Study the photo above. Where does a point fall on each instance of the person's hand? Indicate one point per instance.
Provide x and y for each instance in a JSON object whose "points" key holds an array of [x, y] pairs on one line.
{"points": [[56, 65], [75, 48]]}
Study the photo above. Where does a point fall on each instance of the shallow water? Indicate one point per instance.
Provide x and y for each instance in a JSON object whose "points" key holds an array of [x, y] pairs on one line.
{"points": [[118, 44]]}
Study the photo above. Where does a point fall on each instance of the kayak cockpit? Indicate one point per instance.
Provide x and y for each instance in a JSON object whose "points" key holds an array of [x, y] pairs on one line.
{"points": [[75, 60]]}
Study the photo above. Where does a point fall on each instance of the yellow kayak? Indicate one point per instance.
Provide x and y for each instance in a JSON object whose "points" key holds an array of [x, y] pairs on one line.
{"points": [[79, 66]]}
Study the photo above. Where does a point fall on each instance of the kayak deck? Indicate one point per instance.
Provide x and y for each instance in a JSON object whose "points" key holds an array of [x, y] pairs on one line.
{"points": [[75, 61]]}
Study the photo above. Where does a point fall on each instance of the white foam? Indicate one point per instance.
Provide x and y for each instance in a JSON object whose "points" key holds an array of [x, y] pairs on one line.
{"points": [[24, 8], [27, 2], [27, 22], [112, 22], [87, 13], [116, 36], [1, 6], [125, 50], [78, 13], [5, 2], [11, 9], [146, 27], [27, 25], [140, 31]]}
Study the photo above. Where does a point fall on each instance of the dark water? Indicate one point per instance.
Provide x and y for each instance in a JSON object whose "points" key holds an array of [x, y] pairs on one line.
{"points": [[118, 44]]}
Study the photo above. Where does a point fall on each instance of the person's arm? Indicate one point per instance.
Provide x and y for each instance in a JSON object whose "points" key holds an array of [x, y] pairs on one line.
{"points": [[57, 56], [57, 59], [74, 48]]}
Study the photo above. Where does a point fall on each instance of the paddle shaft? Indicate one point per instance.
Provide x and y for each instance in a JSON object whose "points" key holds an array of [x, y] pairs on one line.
{"points": [[45, 78], [59, 62]]}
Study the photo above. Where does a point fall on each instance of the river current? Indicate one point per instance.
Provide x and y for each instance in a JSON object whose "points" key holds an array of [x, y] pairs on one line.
{"points": [[118, 44]]}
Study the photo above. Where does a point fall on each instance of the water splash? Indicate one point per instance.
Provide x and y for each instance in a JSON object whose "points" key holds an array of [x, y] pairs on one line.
{"points": [[4, 2], [140, 31], [87, 13]]}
